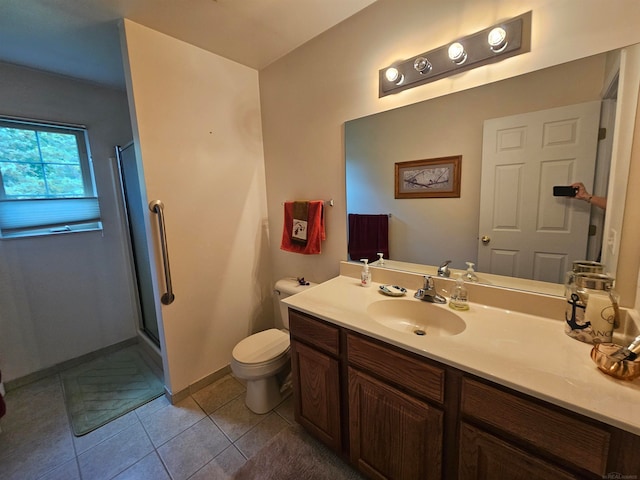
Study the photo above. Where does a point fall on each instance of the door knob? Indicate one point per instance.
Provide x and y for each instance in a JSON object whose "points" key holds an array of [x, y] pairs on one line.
{"points": [[485, 239]]}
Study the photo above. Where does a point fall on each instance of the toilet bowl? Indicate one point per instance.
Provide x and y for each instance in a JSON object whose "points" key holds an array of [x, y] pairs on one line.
{"points": [[263, 361]]}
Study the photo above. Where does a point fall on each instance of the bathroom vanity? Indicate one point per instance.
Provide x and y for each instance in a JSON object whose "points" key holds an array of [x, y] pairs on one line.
{"points": [[511, 396]]}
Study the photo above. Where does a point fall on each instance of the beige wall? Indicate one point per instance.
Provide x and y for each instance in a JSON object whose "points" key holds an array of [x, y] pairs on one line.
{"points": [[628, 270], [619, 245], [628, 251], [196, 122], [308, 95]]}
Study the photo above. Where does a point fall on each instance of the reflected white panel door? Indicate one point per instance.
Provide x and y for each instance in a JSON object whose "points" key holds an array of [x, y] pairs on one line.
{"points": [[525, 231]]}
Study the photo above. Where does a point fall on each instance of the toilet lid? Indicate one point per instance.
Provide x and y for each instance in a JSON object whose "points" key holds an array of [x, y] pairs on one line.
{"points": [[262, 346]]}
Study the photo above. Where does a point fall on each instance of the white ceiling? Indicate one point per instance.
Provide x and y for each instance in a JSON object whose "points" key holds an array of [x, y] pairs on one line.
{"points": [[80, 38]]}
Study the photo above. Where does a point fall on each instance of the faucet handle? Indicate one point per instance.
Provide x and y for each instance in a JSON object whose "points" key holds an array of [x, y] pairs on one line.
{"points": [[428, 292], [443, 270]]}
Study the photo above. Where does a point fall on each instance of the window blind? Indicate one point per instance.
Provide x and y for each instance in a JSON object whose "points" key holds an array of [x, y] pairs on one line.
{"points": [[20, 217]]}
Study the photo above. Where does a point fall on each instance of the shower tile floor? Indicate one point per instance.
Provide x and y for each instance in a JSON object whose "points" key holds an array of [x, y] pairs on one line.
{"points": [[209, 435]]}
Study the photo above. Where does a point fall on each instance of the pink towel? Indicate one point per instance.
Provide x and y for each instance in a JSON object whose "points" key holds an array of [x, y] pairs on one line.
{"points": [[315, 229]]}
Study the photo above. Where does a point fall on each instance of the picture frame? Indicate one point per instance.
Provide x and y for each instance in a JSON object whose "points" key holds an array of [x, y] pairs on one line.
{"points": [[429, 178]]}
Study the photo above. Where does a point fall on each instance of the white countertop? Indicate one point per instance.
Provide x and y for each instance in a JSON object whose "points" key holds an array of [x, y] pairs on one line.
{"points": [[527, 353]]}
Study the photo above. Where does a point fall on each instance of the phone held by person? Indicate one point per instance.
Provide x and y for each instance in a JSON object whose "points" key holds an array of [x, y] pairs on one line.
{"points": [[565, 191]]}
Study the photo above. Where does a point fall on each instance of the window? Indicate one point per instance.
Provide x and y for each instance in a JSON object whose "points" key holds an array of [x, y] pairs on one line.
{"points": [[46, 179]]}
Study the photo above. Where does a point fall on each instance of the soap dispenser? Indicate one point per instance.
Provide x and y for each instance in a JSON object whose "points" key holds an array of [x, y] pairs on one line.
{"points": [[365, 275], [381, 259], [470, 276], [459, 296]]}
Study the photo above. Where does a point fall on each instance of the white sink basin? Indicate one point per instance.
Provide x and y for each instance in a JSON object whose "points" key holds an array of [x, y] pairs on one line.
{"points": [[415, 317]]}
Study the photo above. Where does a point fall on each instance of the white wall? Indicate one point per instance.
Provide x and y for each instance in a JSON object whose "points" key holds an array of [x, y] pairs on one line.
{"points": [[197, 124], [66, 295], [308, 95]]}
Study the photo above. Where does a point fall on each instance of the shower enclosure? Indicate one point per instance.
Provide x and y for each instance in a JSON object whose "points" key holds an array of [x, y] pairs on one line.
{"points": [[135, 212]]}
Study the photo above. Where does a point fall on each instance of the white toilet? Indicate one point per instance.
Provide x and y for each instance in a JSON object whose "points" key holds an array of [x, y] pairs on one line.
{"points": [[263, 359]]}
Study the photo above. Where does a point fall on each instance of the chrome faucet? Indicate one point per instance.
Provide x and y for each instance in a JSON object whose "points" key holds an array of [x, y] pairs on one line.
{"points": [[428, 292], [443, 270]]}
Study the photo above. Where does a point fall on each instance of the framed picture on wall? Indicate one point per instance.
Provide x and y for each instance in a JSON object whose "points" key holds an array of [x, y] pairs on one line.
{"points": [[431, 178]]}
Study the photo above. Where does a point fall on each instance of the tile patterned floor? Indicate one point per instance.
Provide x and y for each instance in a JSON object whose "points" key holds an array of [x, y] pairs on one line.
{"points": [[209, 435]]}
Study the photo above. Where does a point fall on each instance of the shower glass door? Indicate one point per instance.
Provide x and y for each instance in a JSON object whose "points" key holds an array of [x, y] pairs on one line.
{"points": [[135, 208]]}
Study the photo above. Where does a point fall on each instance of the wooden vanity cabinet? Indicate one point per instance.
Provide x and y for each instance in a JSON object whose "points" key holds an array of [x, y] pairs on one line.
{"points": [[315, 366], [484, 456], [397, 415], [505, 434], [394, 429]]}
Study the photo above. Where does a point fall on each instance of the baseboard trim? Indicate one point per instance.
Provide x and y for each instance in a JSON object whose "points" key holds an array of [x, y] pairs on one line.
{"points": [[147, 348], [196, 386], [59, 367]]}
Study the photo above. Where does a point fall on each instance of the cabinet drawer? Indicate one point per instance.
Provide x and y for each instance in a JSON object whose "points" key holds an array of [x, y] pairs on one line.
{"points": [[315, 332], [401, 369], [485, 456], [562, 436]]}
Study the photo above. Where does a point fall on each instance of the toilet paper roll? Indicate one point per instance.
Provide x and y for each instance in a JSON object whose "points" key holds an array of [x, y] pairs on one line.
{"points": [[600, 314]]}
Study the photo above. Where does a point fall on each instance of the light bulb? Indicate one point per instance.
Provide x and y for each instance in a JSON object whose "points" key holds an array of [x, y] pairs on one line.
{"points": [[393, 75], [457, 53], [497, 39], [422, 65]]}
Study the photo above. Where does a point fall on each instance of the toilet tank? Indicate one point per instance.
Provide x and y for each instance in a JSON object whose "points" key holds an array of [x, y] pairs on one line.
{"points": [[284, 288]]}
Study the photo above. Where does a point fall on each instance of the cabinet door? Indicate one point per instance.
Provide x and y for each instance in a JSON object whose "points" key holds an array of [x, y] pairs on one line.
{"points": [[483, 456], [392, 435], [567, 439], [316, 385]]}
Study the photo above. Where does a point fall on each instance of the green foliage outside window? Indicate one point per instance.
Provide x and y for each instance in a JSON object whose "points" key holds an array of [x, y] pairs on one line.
{"points": [[40, 164]]}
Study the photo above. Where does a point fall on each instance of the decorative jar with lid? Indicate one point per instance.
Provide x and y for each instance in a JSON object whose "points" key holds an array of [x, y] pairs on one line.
{"points": [[592, 308]]}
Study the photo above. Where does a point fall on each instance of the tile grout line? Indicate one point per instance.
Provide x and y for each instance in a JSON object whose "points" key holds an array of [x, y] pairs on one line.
{"points": [[76, 458], [232, 443], [155, 449], [140, 415]]}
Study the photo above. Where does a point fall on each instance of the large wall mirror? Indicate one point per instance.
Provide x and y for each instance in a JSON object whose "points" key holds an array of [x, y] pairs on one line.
{"points": [[428, 231]]}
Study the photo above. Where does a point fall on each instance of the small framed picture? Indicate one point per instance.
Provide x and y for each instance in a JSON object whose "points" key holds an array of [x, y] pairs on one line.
{"points": [[432, 178]]}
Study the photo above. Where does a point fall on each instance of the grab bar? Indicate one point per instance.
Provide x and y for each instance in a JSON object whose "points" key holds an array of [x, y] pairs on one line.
{"points": [[156, 206]]}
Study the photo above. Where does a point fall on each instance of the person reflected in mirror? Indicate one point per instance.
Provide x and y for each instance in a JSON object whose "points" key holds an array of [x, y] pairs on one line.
{"points": [[583, 194]]}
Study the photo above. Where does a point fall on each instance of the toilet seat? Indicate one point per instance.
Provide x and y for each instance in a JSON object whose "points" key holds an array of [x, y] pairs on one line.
{"points": [[261, 348]]}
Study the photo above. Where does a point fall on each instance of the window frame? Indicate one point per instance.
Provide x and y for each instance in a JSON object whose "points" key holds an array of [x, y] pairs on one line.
{"points": [[55, 225]]}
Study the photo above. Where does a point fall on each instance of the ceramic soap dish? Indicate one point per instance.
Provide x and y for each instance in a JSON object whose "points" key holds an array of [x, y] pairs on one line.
{"points": [[393, 290]]}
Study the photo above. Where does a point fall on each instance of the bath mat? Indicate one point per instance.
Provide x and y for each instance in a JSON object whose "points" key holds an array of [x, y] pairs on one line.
{"points": [[106, 388], [293, 454]]}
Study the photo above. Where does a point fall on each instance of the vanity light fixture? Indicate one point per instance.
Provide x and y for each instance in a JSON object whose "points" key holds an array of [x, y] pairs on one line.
{"points": [[490, 45]]}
